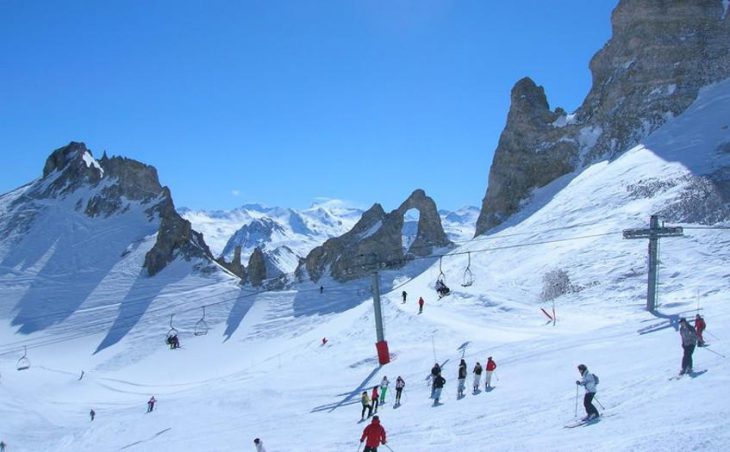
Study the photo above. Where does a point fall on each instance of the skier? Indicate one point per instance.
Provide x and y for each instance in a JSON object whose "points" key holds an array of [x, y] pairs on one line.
{"points": [[375, 434], [420, 305], [435, 372], [491, 365], [151, 404], [365, 400], [2, 446], [321, 289], [438, 385], [689, 341], [259, 445], [92, 414], [404, 294], [399, 385], [477, 376], [375, 397], [324, 341], [700, 326], [589, 382], [462, 379], [383, 389]]}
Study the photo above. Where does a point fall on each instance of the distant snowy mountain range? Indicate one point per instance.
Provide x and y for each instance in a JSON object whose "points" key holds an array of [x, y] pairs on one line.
{"points": [[285, 235]]}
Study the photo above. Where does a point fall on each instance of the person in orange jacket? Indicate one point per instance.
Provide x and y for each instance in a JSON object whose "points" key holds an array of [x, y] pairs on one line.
{"points": [[373, 435], [491, 366]]}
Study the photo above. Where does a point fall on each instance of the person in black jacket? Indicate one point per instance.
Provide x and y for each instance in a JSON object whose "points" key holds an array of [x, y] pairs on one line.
{"points": [[435, 372], [462, 379], [438, 385]]}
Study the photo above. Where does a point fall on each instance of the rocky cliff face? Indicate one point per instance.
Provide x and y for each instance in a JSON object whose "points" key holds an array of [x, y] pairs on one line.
{"points": [[661, 53], [108, 187], [257, 268], [376, 241]]}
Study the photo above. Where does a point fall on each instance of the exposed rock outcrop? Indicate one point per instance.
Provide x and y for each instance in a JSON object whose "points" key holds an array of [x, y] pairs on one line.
{"points": [[235, 266], [257, 268], [376, 241], [661, 53], [111, 186]]}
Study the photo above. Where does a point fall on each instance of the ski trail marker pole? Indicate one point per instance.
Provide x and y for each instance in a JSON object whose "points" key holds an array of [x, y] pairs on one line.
{"points": [[576, 401], [433, 344]]}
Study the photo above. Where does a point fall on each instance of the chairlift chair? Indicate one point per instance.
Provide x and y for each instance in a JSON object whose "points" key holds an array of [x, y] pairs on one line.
{"points": [[172, 331], [201, 328], [24, 362], [468, 279], [441, 276]]}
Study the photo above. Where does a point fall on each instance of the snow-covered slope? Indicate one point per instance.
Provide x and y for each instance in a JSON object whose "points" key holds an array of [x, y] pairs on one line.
{"points": [[261, 371], [286, 235]]}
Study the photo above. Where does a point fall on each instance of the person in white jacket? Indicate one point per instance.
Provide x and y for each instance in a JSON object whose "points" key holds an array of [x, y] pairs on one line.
{"points": [[588, 381], [259, 445]]}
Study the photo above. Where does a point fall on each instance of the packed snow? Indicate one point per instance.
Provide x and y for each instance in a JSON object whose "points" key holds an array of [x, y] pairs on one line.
{"points": [[261, 370]]}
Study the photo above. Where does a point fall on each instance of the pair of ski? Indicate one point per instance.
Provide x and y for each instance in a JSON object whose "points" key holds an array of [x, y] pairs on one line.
{"points": [[586, 422], [691, 374]]}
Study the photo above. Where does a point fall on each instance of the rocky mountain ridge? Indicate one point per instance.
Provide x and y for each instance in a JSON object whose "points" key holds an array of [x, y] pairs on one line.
{"points": [[662, 52]]}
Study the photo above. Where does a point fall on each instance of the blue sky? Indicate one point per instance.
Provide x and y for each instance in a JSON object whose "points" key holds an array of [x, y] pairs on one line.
{"points": [[283, 102]]}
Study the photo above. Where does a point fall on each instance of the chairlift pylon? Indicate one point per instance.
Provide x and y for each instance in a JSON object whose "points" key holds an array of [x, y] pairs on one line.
{"points": [[468, 279], [24, 362], [201, 328]]}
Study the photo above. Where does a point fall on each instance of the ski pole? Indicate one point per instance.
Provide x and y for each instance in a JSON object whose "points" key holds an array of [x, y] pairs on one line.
{"points": [[707, 332], [599, 403], [576, 401], [713, 351], [359, 446], [496, 376], [391, 450]]}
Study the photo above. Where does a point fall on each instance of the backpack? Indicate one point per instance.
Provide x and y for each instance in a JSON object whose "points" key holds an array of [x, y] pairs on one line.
{"points": [[596, 379]]}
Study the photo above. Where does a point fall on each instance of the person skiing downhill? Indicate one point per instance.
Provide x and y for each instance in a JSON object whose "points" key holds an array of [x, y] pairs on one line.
{"points": [[383, 389], [259, 445], [477, 376], [2, 446], [399, 385], [462, 379], [151, 404], [689, 341], [435, 372], [405, 295], [588, 381], [375, 397], [491, 366], [92, 414], [438, 385], [420, 305], [700, 326], [373, 435], [365, 400]]}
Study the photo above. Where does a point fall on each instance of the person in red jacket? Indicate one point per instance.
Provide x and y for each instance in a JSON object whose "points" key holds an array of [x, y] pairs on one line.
{"points": [[375, 434], [420, 304], [375, 397], [700, 326], [491, 365]]}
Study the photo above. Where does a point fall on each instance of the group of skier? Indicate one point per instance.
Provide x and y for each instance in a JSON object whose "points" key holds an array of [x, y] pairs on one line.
{"points": [[377, 396]]}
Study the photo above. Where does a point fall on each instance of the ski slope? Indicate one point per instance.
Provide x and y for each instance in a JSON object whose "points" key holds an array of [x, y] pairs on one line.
{"points": [[261, 371]]}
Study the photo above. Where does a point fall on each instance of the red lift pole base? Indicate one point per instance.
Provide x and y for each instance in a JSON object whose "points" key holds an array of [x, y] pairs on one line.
{"points": [[383, 353]]}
